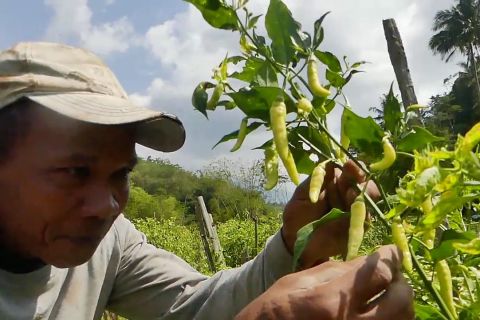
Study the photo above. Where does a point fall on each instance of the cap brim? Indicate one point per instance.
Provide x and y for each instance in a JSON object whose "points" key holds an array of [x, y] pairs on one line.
{"points": [[157, 130]]}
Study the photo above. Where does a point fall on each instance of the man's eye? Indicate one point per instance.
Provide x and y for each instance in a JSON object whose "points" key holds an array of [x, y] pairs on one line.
{"points": [[78, 172], [123, 173]]}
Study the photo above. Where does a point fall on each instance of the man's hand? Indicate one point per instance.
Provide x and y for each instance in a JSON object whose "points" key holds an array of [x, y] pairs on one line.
{"points": [[337, 192], [366, 288]]}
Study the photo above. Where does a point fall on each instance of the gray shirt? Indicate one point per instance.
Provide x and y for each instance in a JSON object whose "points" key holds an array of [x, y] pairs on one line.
{"points": [[134, 279]]}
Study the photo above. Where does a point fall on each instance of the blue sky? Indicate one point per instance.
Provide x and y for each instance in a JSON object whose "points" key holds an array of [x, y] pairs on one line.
{"points": [[160, 50]]}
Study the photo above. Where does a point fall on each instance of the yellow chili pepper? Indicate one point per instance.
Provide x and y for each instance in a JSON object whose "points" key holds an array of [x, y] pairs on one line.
{"points": [[400, 239], [291, 168], [271, 168], [358, 214], [389, 156], [344, 139], [313, 82], [444, 278], [304, 106], [316, 181], [278, 118], [428, 236]]}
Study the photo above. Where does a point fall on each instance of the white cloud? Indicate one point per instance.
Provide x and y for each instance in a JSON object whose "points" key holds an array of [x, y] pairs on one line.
{"points": [[72, 22], [110, 37], [71, 18]]}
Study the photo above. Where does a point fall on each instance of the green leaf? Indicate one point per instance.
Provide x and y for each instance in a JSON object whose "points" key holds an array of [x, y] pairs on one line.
{"points": [[216, 13], [302, 159], [250, 70], [233, 135], [426, 312], [259, 72], [305, 233], [447, 204], [472, 247], [450, 234], [358, 64], [283, 30], [449, 240], [392, 111], [335, 79], [417, 139], [304, 164], [236, 59], [396, 211], [267, 76], [364, 134], [413, 192], [200, 97], [253, 22], [313, 136], [318, 33], [330, 60], [256, 102]]}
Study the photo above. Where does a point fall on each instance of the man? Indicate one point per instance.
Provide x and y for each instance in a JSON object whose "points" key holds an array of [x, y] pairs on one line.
{"points": [[67, 144]]}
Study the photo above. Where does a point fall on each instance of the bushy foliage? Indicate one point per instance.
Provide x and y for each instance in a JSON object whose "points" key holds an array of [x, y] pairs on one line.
{"points": [[237, 238], [184, 241]]}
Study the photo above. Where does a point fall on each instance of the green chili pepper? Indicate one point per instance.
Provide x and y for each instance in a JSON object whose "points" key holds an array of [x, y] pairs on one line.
{"points": [[217, 93], [242, 133]]}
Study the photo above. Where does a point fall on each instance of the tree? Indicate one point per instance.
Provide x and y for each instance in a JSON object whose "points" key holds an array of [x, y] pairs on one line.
{"points": [[458, 31]]}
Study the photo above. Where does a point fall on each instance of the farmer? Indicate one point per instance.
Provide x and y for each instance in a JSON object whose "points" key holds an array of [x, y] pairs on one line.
{"points": [[67, 144]]}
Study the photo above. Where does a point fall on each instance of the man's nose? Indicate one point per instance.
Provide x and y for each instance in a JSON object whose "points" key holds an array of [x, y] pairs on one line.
{"points": [[100, 202]]}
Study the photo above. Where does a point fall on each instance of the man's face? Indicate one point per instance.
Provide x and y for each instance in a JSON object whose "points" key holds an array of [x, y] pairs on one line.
{"points": [[62, 187]]}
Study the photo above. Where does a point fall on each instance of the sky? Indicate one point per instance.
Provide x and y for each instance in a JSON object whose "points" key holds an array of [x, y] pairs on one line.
{"points": [[160, 50]]}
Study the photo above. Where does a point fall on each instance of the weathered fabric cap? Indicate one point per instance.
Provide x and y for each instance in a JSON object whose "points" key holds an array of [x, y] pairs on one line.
{"points": [[76, 83]]}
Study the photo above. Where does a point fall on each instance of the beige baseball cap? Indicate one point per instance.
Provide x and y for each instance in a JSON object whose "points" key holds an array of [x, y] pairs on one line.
{"points": [[77, 84]]}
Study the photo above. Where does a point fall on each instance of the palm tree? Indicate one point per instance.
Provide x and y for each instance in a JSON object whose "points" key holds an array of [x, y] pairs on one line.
{"points": [[458, 30]]}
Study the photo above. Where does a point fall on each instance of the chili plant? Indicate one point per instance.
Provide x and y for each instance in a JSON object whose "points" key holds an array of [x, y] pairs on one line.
{"points": [[426, 187]]}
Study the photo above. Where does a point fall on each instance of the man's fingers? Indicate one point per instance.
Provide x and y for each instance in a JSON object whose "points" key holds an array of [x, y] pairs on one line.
{"points": [[395, 303], [334, 196], [375, 274], [354, 172]]}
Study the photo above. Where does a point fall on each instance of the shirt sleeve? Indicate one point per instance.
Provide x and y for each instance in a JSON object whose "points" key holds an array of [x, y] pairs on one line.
{"points": [[152, 283]]}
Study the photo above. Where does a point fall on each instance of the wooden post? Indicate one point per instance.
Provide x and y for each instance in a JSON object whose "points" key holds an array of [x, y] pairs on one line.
{"points": [[399, 62], [211, 231], [204, 235]]}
